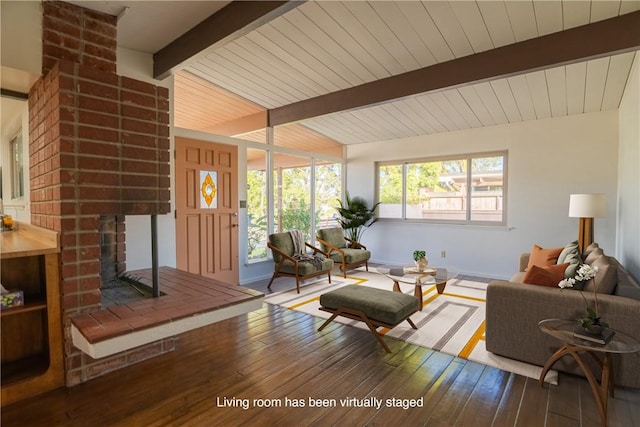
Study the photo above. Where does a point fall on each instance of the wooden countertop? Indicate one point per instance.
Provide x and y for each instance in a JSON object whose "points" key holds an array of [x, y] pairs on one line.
{"points": [[28, 240]]}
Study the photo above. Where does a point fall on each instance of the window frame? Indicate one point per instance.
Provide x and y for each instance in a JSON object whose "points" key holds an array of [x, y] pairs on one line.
{"points": [[272, 195], [468, 158], [16, 169], [267, 215]]}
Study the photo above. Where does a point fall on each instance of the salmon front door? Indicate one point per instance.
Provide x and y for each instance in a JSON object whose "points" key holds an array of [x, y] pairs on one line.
{"points": [[207, 209]]}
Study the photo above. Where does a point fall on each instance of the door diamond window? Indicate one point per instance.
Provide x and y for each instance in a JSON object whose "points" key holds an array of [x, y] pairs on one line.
{"points": [[208, 189]]}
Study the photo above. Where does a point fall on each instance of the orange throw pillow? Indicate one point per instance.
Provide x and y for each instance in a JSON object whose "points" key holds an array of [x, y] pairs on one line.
{"points": [[545, 276], [543, 257]]}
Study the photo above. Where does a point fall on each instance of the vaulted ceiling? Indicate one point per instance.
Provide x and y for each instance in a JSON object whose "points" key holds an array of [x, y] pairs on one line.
{"points": [[360, 71]]}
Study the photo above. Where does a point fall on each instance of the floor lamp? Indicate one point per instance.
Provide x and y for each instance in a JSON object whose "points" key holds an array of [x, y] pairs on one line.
{"points": [[586, 207]]}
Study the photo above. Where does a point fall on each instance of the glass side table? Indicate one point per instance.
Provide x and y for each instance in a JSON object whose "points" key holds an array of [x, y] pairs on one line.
{"points": [[562, 330]]}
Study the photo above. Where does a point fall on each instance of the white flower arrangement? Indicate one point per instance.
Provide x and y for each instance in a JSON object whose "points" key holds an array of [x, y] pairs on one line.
{"points": [[585, 272]]}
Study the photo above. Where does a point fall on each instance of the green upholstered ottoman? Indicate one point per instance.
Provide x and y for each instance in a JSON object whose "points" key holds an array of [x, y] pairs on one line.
{"points": [[375, 307]]}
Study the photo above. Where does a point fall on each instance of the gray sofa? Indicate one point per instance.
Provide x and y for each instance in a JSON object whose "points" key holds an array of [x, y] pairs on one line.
{"points": [[514, 310]]}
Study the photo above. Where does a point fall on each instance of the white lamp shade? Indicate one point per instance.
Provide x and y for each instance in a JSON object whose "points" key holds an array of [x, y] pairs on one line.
{"points": [[587, 206]]}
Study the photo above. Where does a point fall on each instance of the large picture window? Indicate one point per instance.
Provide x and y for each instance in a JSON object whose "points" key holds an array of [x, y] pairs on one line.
{"points": [[328, 192], [301, 186], [292, 194], [465, 189]]}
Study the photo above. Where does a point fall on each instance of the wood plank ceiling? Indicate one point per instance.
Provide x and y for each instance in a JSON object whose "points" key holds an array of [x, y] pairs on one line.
{"points": [[321, 47]]}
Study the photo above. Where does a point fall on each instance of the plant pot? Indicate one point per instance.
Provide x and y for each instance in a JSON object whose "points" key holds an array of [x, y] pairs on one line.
{"points": [[422, 263], [594, 329]]}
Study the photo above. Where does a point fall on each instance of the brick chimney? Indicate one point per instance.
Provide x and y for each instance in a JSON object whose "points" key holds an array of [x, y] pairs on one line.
{"points": [[99, 145]]}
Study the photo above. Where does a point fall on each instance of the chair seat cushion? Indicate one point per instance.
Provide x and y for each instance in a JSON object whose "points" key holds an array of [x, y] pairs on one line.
{"points": [[351, 255], [383, 306], [306, 268]]}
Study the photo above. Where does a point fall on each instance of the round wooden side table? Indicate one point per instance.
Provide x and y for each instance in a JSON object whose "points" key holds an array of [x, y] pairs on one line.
{"points": [[563, 330]]}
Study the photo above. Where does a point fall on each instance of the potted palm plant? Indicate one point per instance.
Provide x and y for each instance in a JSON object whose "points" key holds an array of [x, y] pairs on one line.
{"points": [[354, 216]]}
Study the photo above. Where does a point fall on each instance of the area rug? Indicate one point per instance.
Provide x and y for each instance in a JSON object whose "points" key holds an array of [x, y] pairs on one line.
{"points": [[452, 322]]}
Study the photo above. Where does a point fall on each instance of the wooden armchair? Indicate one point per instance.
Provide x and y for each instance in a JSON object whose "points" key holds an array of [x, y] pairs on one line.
{"points": [[334, 243], [282, 248]]}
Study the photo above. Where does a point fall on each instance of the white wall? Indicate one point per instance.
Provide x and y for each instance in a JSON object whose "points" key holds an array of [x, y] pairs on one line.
{"points": [[547, 161], [137, 65], [628, 249], [21, 41]]}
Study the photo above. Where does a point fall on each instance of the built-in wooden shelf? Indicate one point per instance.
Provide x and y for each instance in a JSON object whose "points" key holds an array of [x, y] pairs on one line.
{"points": [[32, 359], [24, 308], [24, 369]]}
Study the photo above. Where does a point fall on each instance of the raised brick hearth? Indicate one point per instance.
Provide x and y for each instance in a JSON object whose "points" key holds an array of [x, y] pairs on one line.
{"points": [[189, 301], [99, 145]]}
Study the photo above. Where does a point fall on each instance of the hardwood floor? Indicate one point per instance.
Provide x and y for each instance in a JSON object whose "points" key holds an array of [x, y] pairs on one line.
{"points": [[273, 354]]}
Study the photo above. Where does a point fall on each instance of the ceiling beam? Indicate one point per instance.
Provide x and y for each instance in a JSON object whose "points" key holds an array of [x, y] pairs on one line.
{"points": [[594, 40], [8, 93], [232, 21]]}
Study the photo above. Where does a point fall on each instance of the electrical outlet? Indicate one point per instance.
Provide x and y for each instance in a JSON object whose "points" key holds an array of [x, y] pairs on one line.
{"points": [[443, 254]]}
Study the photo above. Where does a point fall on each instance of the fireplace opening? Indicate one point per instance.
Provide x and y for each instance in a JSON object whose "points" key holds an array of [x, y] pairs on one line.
{"points": [[117, 287]]}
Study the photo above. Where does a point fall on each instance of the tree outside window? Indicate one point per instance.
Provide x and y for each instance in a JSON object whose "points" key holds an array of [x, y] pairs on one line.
{"points": [[464, 189], [328, 190], [292, 194], [257, 206], [295, 184]]}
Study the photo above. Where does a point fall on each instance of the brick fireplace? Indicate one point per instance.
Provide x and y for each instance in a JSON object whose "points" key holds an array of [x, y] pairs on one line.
{"points": [[112, 248], [99, 148]]}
